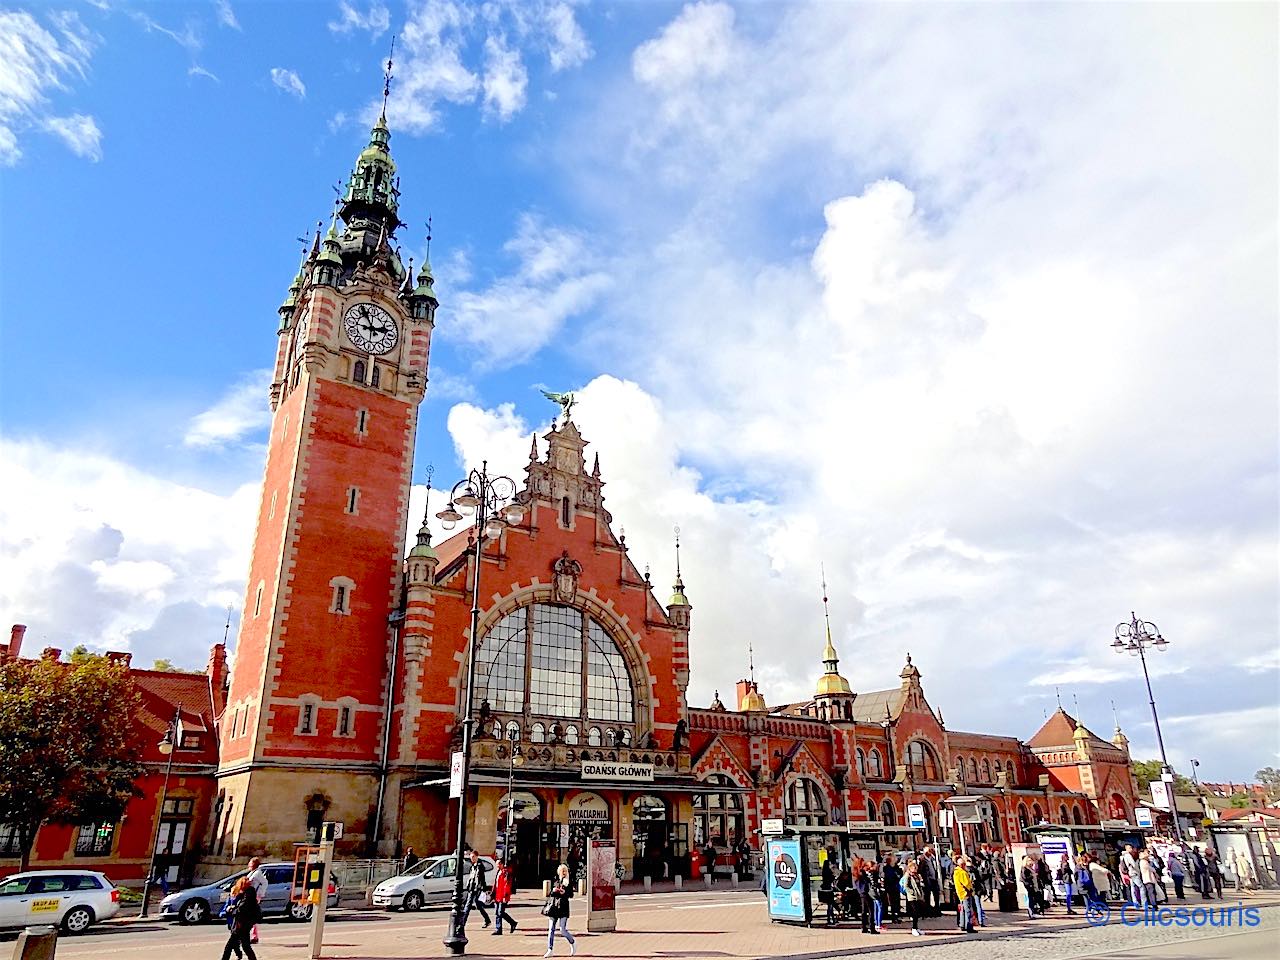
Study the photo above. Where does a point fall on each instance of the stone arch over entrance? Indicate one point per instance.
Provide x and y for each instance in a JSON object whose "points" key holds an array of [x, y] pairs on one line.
{"points": [[617, 628]]}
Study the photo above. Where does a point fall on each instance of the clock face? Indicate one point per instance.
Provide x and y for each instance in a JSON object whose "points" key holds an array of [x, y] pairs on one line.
{"points": [[300, 333], [371, 328]]}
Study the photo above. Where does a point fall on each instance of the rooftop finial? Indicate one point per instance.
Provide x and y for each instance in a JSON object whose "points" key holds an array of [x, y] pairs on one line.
{"points": [[1057, 692], [751, 663], [677, 529], [1075, 703], [226, 631], [826, 614], [1115, 716], [386, 80], [428, 260], [430, 473]]}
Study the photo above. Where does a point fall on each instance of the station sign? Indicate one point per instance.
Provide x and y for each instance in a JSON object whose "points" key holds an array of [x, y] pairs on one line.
{"points": [[772, 826], [617, 770], [1142, 815], [915, 816]]}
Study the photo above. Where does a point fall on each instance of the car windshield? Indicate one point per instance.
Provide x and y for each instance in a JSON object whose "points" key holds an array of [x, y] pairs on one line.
{"points": [[422, 866], [226, 883]]}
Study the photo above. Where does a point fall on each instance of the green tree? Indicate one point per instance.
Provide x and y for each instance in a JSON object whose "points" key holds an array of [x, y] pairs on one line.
{"points": [[69, 743], [163, 664], [1148, 770], [1241, 801], [80, 653], [1269, 778]]}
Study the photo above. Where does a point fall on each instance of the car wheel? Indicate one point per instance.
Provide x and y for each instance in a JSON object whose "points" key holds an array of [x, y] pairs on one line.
{"points": [[300, 911], [77, 920], [413, 900], [194, 910]]}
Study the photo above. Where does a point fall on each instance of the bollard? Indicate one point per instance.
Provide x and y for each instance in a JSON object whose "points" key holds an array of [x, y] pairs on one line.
{"points": [[648, 884], [706, 879], [546, 889], [679, 878], [36, 943], [733, 880]]}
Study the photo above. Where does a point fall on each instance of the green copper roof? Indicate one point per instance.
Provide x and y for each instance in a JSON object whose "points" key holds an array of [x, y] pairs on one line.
{"points": [[424, 550]]}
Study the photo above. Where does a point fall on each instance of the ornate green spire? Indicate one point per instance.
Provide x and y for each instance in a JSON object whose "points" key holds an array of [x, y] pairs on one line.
{"points": [[373, 190]]}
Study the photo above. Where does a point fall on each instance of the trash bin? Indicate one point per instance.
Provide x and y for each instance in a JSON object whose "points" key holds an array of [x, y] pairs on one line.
{"points": [[1008, 898], [36, 943]]}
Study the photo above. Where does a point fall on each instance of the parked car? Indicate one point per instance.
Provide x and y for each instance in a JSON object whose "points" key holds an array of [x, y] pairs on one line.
{"points": [[75, 899], [199, 904], [428, 881]]}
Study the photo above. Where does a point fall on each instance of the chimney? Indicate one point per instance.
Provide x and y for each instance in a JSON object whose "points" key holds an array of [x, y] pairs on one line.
{"points": [[218, 677], [51, 653], [121, 657], [16, 633], [744, 688]]}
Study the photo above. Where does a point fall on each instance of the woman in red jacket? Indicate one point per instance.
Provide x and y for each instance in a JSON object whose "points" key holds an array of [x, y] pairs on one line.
{"points": [[503, 887]]}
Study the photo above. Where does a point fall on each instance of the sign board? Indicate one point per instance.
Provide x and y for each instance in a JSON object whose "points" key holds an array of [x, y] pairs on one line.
{"points": [[772, 826], [868, 848], [1142, 815], [785, 883], [1160, 795], [967, 809], [455, 776], [915, 816], [602, 856], [332, 830], [617, 770], [1054, 846], [589, 808], [1021, 850], [1115, 825], [945, 817], [866, 825]]}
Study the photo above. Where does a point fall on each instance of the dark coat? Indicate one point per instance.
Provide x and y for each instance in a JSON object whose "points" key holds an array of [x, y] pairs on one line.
{"points": [[244, 911], [560, 896]]}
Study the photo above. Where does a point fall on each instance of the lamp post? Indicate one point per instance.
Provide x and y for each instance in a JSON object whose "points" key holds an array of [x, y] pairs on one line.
{"points": [[1204, 807], [166, 747], [514, 759], [1133, 638], [494, 502]]}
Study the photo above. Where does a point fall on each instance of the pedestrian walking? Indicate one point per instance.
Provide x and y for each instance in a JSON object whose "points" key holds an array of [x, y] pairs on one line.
{"points": [[963, 885], [932, 880], [410, 859], [1031, 883], [1131, 874], [503, 888], [1084, 880], [1199, 873], [1045, 876], [1067, 877], [257, 878], [556, 910], [709, 861], [1213, 871], [1148, 878], [476, 889], [891, 875], [866, 896], [243, 913], [1177, 873], [916, 896], [827, 891]]}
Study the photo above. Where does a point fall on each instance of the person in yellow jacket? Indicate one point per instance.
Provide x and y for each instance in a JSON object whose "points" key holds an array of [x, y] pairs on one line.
{"points": [[963, 882]]}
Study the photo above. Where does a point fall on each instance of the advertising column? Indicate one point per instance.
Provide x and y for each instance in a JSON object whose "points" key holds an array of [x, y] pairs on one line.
{"points": [[785, 883], [602, 855]]}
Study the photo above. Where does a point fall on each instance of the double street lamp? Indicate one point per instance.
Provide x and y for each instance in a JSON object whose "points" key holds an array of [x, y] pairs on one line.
{"points": [[493, 503], [166, 747], [1133, 638]]}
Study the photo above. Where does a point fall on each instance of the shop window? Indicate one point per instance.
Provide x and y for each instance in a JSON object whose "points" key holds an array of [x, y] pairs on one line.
{"points": [[650, 837], [888, 813], [94, 839], [922, 761]]}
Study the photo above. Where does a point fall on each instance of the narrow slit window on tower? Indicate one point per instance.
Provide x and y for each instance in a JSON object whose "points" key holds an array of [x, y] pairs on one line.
{"points": [[307, 718], [357, 372], [271, 514], [375, 377], [362, 421], [340, 599], [344, 722], [257, 601], [343, 588], [564, 511], [353, 499]]}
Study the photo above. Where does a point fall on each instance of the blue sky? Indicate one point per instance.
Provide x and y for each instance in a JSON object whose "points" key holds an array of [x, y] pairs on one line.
{"points": [[974, 303]]}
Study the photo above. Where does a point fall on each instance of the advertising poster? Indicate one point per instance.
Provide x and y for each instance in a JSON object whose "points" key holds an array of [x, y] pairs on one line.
{"points": [[1021, 850], [784, 880], [602, 855]]}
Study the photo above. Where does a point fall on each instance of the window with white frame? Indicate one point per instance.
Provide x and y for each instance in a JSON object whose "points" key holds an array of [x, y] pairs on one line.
{"points": [[308, 710], [343, 588]]}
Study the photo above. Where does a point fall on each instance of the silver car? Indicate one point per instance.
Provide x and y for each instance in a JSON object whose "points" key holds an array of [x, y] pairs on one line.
{"points": [[199, 904], [74, 899], [430, 880]]}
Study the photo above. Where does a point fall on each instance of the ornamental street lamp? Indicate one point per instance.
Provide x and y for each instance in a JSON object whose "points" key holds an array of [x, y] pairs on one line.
{"points": [[1133, 638], [166, 747], [514, 759], [495, 504], [1204, 807]]}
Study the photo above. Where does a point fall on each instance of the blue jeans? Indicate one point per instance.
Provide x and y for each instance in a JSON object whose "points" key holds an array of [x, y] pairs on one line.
{"points": [[564, 931], [1071, 892], [982, 916], [877, 909], [966, 913]]}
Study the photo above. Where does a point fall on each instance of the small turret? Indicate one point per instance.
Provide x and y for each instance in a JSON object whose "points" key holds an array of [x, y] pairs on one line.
{"points": [[327, 269], [423, 301], [830, 683]]}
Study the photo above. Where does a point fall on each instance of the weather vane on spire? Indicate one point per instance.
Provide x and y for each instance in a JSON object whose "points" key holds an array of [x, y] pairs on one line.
{"points": [[826, 614], [428, 239], [677, 528], [386, 79]]}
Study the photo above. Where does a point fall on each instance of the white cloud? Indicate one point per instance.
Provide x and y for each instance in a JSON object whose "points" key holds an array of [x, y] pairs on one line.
{"points": [[569, 46], [375, 19], [188, 38], [505, 79], [132, 549], [195, 70], [289, 82], [226, 15], [244, 410], [556, 278], [697, 43], [79, 132], [36, 62]]}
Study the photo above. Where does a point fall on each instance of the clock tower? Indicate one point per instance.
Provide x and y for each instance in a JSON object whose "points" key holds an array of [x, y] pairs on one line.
{"points": [[302, 735]]}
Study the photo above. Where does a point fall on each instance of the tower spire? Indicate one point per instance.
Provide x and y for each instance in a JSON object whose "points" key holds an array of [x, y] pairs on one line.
{"points": [[677, 589], [830, 682], [386, 79], [423, 547]]}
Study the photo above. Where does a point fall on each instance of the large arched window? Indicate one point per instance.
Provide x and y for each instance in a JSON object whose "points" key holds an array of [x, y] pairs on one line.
{"points": [[888, 813], [861, 759], [550, 660], [922, 761], [986, 770], [875, 767], [807, 806], [973, 770], [717, 814]]}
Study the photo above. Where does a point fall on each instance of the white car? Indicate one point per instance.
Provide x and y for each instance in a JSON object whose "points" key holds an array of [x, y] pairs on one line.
{"points": [[428, 881], [76, 899]]}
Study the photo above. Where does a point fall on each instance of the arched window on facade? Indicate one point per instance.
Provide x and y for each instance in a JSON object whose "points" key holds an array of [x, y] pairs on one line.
{"points": [[1063, 816], [986, 770], [1077, 816], [959, 767], [871, 810], [806, 803], [993, 823], [593, 737], [513, 730], [973, 770], [922, 762], [575, 669], [537, 733], [1037, 815], [375, 378], [571, 735], [888, 813], [929, 829], [718, 813], [861, 760], [357, 372], [876, 766]]}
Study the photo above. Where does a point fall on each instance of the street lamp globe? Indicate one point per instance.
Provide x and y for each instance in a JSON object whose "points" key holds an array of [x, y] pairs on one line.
{"points": [[493, 528], [468, 498], [449, 516], [166, 745]]}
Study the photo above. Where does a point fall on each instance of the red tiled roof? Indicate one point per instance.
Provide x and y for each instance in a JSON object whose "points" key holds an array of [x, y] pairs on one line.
{"points": [[1058, 731], [1237, 813]]}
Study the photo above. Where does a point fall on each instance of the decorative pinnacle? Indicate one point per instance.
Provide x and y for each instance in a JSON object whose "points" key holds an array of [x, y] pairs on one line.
{"points": [[1057, 692], [677, 529], [386, 80], [424, 533], [751, 663], [826, 613], [428, 260]]}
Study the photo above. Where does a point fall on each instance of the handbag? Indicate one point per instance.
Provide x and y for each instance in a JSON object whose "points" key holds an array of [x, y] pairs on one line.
{"points": [[486, 898], [549, 907]]}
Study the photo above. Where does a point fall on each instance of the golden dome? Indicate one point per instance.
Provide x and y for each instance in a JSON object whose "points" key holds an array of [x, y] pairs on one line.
{"points": [[831, 683], [753, 701]]}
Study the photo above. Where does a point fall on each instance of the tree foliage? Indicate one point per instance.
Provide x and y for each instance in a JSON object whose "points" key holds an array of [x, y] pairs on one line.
{"points": [[1269, 778], [1148, 770], [69, 743]]}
